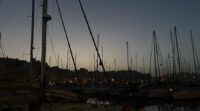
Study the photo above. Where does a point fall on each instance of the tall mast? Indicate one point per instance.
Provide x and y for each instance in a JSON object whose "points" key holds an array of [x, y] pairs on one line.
{"points": [[67, 66], [127, 55], [94, 61], [75, 59], [68, 42], [69, 63], [177, 49], [115, 64], [155, 60], [143, 66], [150, 59], [169, 64], [45, 19], [92, 37], [1, 46], [173, 56], [193, 51], [97, 54], [157, 56], [102, 53], [131, 64], [32, 38], [58, 61], [136, 61]]}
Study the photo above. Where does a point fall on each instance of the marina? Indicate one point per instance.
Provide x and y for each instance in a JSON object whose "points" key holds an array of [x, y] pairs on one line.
{"points": [[171, 83]]}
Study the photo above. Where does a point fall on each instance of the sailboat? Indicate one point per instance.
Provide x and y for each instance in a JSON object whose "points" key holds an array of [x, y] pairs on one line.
{"points": [[31, 91], [157, 91], [191, 92]]}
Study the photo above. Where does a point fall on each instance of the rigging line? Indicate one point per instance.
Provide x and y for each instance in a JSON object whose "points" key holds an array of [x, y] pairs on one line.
{"points": [[7, 8], [53, 21], [38, 26], [52, 34], [9, 16], [53, 50], [69, 45], [91, 34]]}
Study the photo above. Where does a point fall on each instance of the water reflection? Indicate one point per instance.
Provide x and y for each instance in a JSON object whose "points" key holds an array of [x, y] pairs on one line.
{"points": [[170, 107]]}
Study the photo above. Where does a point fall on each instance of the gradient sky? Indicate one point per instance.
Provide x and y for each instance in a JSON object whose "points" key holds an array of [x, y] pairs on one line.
{"points": [[117, 21]]}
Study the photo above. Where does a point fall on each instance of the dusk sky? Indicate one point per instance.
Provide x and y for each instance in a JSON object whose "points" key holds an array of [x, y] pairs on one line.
{"points": [[117, 21]]}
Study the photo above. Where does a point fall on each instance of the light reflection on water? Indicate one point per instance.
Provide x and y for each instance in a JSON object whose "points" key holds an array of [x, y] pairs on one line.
{"points": [[156, 105], [170, 107]]}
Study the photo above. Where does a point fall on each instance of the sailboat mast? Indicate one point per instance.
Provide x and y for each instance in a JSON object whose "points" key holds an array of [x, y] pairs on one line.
{"points": [[150, 59], [173, 56], [98, 54], [177, 49], [136, 61], [32, 38], [58, 61], [67, 66], [68, 42], [131, 64], [94, 61], [143, 66], [102, 53], [45, 19], [192, 42], [127, 55], [97, 62], [155, 59], [115, 64], [1, 47], [157, 56]]}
